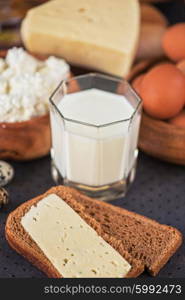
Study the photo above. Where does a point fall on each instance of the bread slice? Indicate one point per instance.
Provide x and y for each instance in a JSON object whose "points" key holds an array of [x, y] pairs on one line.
{"points": [[20, 240], [144, 239], [143, 242]]}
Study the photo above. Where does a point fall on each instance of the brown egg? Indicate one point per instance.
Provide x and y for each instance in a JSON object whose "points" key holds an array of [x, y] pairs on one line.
{"points": [[174, 42], [136, 84], [163, 91], [179, 120], [181, 65]]}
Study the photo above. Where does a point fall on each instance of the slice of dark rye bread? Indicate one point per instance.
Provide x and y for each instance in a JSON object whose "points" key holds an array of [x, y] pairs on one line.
{"points": [[144, 243], [20, 240]]}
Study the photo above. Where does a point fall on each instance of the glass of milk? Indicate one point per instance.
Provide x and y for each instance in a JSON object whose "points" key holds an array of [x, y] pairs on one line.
{"points": [[95, 123]]}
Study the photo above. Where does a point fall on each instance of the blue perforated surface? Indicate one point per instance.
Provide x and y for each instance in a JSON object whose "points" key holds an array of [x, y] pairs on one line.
{"points": [[158, 192]]}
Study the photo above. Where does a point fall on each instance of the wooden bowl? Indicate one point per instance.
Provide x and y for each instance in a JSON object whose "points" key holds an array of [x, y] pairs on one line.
{"points": [[159, 138], [162, 140], [25, 140]]}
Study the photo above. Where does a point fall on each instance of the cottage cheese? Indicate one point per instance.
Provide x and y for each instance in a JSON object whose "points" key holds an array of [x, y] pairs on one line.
{"points": [[26, 84]]}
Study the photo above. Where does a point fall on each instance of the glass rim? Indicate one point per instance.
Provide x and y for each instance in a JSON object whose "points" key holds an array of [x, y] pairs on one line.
{"points": [[106, 77]]}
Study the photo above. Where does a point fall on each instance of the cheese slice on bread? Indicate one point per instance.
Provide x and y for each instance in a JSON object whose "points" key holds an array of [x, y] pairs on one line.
{"points": [[72, 246]]}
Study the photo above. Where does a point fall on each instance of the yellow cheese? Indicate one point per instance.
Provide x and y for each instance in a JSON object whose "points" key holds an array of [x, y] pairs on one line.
{"points": [[72, 246], [97, 34]]}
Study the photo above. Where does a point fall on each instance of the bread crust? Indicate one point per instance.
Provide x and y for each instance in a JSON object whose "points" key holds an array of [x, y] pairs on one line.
{"points": [[21, 242]]}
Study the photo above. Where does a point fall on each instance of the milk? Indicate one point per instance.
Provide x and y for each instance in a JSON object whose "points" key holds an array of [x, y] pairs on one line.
{"points": [[86, 149], [94, 106]]}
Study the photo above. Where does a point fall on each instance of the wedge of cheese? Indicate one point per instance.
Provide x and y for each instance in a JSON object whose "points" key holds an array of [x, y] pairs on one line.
{"points": [[98, 34]]}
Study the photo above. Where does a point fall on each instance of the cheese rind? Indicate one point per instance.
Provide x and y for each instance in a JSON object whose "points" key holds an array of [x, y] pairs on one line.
{"points": [[101, 35], [73, 247]]}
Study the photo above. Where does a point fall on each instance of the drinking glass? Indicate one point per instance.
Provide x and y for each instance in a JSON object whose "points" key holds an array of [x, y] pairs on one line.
{"points": [[99, 159]]}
